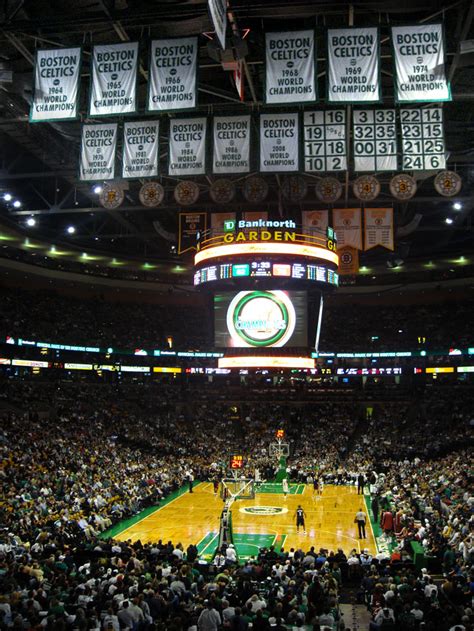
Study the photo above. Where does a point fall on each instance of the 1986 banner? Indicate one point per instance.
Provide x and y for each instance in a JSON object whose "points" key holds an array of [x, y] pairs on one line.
{"points": [[231, 144]]}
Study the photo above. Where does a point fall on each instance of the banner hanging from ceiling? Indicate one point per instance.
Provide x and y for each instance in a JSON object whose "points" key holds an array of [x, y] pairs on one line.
{"points": [[378, 228], [190, 226], [315, 220], [56, 89], [347, 224], [172, 84], [290, 65], [98, 147], [218, 11], [231, 144], [140, 149], [187, 150], [114, 79], [279, 143], [348, 261], [353, 65], [419, 59]]}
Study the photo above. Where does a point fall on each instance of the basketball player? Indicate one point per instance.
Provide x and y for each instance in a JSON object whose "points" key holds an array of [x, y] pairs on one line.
{"points": [[215, 483], [257, 477], [284, 485], [300, 517]]}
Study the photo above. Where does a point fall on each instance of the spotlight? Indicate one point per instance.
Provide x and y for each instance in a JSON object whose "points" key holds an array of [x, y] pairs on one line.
{"points": [[17, 203], [97, 189], [457, 206], [448, 220], [7, 197], [31, 221], [71, 230]]}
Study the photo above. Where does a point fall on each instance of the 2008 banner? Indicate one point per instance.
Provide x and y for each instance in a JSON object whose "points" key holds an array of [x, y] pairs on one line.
{"points": [[279, 142]]}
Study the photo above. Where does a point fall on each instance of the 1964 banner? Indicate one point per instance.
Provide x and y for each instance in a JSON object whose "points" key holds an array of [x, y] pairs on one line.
{"points": [[279, 142], [231, 144], [114, 79], [140, 149], [290, 67], [57, 75], [187, 149], [173, 68], [419, 58], [98, 152], [354, 65]]}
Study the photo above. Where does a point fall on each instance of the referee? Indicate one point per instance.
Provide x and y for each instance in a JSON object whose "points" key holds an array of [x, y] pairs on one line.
{"points": [[360, 520]]}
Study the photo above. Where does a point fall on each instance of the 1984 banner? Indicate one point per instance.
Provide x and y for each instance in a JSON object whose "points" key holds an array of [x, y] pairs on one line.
{"points": [[187, 148]]}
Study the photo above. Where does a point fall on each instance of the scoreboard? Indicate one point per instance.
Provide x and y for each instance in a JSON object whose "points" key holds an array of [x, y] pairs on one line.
{"points": [[236, 461]]}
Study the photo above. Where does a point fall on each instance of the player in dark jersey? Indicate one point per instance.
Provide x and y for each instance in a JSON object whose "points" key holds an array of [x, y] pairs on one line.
{"points": [[300, 517]]}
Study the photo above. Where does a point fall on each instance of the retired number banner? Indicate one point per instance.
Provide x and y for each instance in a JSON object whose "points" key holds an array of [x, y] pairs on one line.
{"points": [[218, 11], [348, 227], [190, 225], [98, 152], [231, 144], [57, 76], [354, 65], [290, 67], [315, 220], [378, 228], [173, 69], [114, 79], [140, 149], [279, 142], [187, 150], [419, 58]]}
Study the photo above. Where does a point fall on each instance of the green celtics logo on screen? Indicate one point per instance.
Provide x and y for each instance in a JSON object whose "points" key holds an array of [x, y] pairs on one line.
{"points": [[261, 318], [263, 510]]}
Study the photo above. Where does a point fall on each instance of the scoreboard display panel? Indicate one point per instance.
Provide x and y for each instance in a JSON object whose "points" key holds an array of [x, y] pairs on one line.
{"points": [[325, 147], [236, 461], [375, 140], [422, 139], [260, 319]]}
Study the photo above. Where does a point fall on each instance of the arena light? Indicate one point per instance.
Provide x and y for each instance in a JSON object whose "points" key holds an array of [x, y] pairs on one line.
{"points": [[70, 229], [457, 206], [7, 197], [265, 362], [291, 249], [31, 222], [448, 220], [17, 203], [97, 189]]}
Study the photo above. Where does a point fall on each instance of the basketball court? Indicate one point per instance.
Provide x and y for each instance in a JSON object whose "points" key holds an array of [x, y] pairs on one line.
{"points": [[267, 519]]}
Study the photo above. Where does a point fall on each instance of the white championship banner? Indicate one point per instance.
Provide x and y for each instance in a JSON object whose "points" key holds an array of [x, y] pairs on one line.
{"points": [[419, 58], [218, 11], [114, 79], [173, 70], [98, 152], [378, 228], [290, 67], [187, 150], [57, 77], [354, 65], [231, 152], [140, 149], [279, 143]]}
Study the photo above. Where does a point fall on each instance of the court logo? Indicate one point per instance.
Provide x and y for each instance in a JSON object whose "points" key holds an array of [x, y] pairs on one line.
{"points": [[264, 510]]}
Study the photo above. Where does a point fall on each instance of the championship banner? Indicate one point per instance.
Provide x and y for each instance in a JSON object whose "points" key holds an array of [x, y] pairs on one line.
{"points": [[279, 143], [315, 220], [218, 11], [187, 150], [231, 144], [173, 71], [348, 261], [57, 77], [419, 59], [347, 225], [378, 228], [190, 225], [98, 152], [218, 221], [140, 149], [290, 66], [114, 79], [354, 65]]}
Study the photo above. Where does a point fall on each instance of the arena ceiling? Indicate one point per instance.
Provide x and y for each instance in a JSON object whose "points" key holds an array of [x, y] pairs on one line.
{"points": [[39, 161]]}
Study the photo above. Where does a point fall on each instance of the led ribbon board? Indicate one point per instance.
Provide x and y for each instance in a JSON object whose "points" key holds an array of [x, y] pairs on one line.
{"points": [[252, 248]]}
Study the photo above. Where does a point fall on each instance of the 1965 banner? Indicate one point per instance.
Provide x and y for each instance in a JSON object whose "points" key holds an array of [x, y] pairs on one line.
{"points": [[173, 68], [57, 75], [98, 152], [354, 65], [290, 67], [419, 63], [114, 79]]}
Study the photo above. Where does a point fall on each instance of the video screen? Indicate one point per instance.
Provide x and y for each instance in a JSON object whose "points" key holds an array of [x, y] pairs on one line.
{"points": [[260, 319]]}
